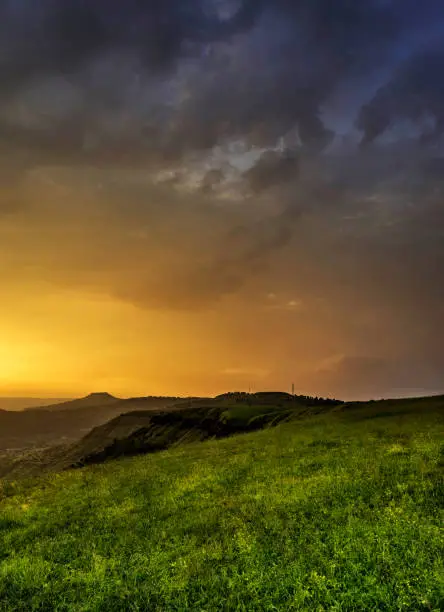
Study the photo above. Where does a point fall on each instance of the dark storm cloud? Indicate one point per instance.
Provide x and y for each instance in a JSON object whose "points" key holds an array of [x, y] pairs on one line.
{"points": [[62, 36], [273, 168], [291, 57], [272, 68], [376, 377], [416, 88], [281, 74], [40, 43], [276, 65]]}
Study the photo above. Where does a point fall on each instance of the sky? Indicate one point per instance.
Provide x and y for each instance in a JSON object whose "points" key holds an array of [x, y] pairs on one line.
{"points": [[199, 196]]}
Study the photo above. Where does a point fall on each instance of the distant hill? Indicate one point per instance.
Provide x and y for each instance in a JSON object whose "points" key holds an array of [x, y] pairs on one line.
{"points": [[68, 421], [90, 401], [22, 403], [277, 398]]}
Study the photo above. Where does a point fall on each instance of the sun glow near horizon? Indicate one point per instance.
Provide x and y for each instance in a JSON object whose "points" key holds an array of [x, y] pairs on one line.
{"points": [[74, 343]]}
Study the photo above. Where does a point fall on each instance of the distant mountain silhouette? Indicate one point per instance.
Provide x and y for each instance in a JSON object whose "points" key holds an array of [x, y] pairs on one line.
{"points": [[68, 421], [91, 400]]}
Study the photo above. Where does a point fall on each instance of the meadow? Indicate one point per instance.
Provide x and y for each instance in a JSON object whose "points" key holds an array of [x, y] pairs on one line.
{"points": [[336, 512]]}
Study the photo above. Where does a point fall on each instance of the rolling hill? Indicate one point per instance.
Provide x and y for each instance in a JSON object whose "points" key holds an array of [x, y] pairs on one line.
{"points": [[90, 401], [67, 421], [143, 426]]}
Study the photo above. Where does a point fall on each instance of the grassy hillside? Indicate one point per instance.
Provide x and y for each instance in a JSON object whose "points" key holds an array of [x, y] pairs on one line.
{"points": [[198, 420], [146, 431], [342, 511]]}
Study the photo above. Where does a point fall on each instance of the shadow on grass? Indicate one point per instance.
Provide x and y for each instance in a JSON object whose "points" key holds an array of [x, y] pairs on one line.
{"points": [[325, 444], [8, 523], [380, 415]]}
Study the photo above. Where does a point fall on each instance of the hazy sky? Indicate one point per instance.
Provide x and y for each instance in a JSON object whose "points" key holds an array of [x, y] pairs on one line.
{"points": [[202, 195]]}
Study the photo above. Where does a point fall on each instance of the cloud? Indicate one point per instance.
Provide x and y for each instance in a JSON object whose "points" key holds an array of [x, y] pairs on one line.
{"points": [[192, 79], [273, 168], [362, 376], [414, 90], [245, 372], [192, 250], [60, 37]]}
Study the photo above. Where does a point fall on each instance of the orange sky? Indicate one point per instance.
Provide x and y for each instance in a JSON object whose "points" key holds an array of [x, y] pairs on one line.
{"points": [[100, 293]]}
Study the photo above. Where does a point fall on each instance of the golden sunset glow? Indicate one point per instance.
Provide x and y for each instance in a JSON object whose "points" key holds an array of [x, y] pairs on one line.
{"points": [[102, 294]]}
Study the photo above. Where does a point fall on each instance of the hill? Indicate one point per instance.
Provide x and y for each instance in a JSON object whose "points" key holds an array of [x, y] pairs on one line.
{"points": [[142, 431], [68, 421], [276, 398], [342, 510], [140, 426], [90, 401]]}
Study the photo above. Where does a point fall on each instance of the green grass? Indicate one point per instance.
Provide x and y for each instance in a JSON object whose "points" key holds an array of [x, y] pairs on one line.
{"points": [[340, 512]]}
